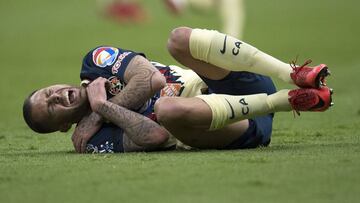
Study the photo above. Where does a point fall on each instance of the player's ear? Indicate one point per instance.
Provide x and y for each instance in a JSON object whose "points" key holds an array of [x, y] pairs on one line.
{"points": [[65, 127]]}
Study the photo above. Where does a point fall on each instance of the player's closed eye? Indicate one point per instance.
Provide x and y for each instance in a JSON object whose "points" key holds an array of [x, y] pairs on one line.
{"points": [[48, 93]]}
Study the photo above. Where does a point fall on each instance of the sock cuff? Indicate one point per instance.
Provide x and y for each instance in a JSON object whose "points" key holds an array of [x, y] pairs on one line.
{"points": [[279, 101], [218, 109], [200, 43]]}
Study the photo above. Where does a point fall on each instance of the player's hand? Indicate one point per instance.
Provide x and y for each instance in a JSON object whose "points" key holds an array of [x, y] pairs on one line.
{"points": [[85, 129], [96, 92]]}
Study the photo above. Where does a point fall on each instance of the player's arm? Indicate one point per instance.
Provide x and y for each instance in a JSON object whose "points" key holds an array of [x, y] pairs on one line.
{"points": [[140, 129], [143, 81]]}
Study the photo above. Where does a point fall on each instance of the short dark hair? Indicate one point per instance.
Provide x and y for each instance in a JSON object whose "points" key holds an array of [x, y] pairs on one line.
{"points": [[27, 114]]}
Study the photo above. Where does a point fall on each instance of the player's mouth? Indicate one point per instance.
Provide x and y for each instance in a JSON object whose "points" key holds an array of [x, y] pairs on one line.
{"points": [[70, 97]]}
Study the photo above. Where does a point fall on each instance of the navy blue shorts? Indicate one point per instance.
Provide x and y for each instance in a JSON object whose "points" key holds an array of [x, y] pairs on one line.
{"points": [[245, 83], [109, 139]]}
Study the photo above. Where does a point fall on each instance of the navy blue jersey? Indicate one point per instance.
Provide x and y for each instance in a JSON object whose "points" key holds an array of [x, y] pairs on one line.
{"points": [[107, 62], [111, 63]]}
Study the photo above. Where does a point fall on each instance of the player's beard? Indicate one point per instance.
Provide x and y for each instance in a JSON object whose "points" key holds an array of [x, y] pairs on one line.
{"points": [[82, 109]]}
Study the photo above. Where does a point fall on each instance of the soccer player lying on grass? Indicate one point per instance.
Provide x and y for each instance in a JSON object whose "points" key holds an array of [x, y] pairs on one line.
{"points": [[238, 115]]}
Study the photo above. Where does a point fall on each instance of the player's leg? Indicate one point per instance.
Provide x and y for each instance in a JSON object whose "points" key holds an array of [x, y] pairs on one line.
{"points": [[190, 118], [188, 46], [227, 109], [178, 46]]}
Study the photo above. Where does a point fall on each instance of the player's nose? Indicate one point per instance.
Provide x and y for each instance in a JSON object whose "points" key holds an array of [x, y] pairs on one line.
{"points": [[54, 98]]}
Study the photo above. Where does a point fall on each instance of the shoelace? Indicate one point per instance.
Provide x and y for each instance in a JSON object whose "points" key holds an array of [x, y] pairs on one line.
{"points": [[296, 112], [295, 68]]}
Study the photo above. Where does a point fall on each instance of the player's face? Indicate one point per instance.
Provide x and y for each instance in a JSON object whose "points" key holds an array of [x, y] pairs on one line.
{"points": [[59, 105]]}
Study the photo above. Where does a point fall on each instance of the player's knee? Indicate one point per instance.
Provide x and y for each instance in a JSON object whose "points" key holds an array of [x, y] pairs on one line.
{"points": [[163, 109], [178, 42], [168, 110]]}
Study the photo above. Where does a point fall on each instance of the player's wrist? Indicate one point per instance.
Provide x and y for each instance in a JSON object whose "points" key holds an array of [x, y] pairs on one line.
{"points": [[96, 105], [96, 118]]}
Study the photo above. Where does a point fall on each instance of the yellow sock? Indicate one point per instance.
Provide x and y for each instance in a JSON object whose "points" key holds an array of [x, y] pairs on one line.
{"points": [[227, 109], [232, 54], [232, 14]]}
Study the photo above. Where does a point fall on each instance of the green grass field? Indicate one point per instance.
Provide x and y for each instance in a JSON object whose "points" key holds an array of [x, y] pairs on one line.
{"points": [[312, 158]]}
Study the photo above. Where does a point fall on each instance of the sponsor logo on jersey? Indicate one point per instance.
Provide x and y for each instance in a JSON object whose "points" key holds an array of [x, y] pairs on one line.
{"points": [[115, 85], [117, 65], [171, 90], [105, 56]]}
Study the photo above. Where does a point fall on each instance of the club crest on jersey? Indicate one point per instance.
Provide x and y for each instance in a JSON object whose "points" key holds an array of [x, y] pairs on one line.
{"points": [[115, 85], [105, 56]]}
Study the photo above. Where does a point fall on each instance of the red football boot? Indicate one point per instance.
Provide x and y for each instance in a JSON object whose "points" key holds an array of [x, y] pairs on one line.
{"points": [[310, 99], [126, 12], [309, 77], [175, 6]]}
